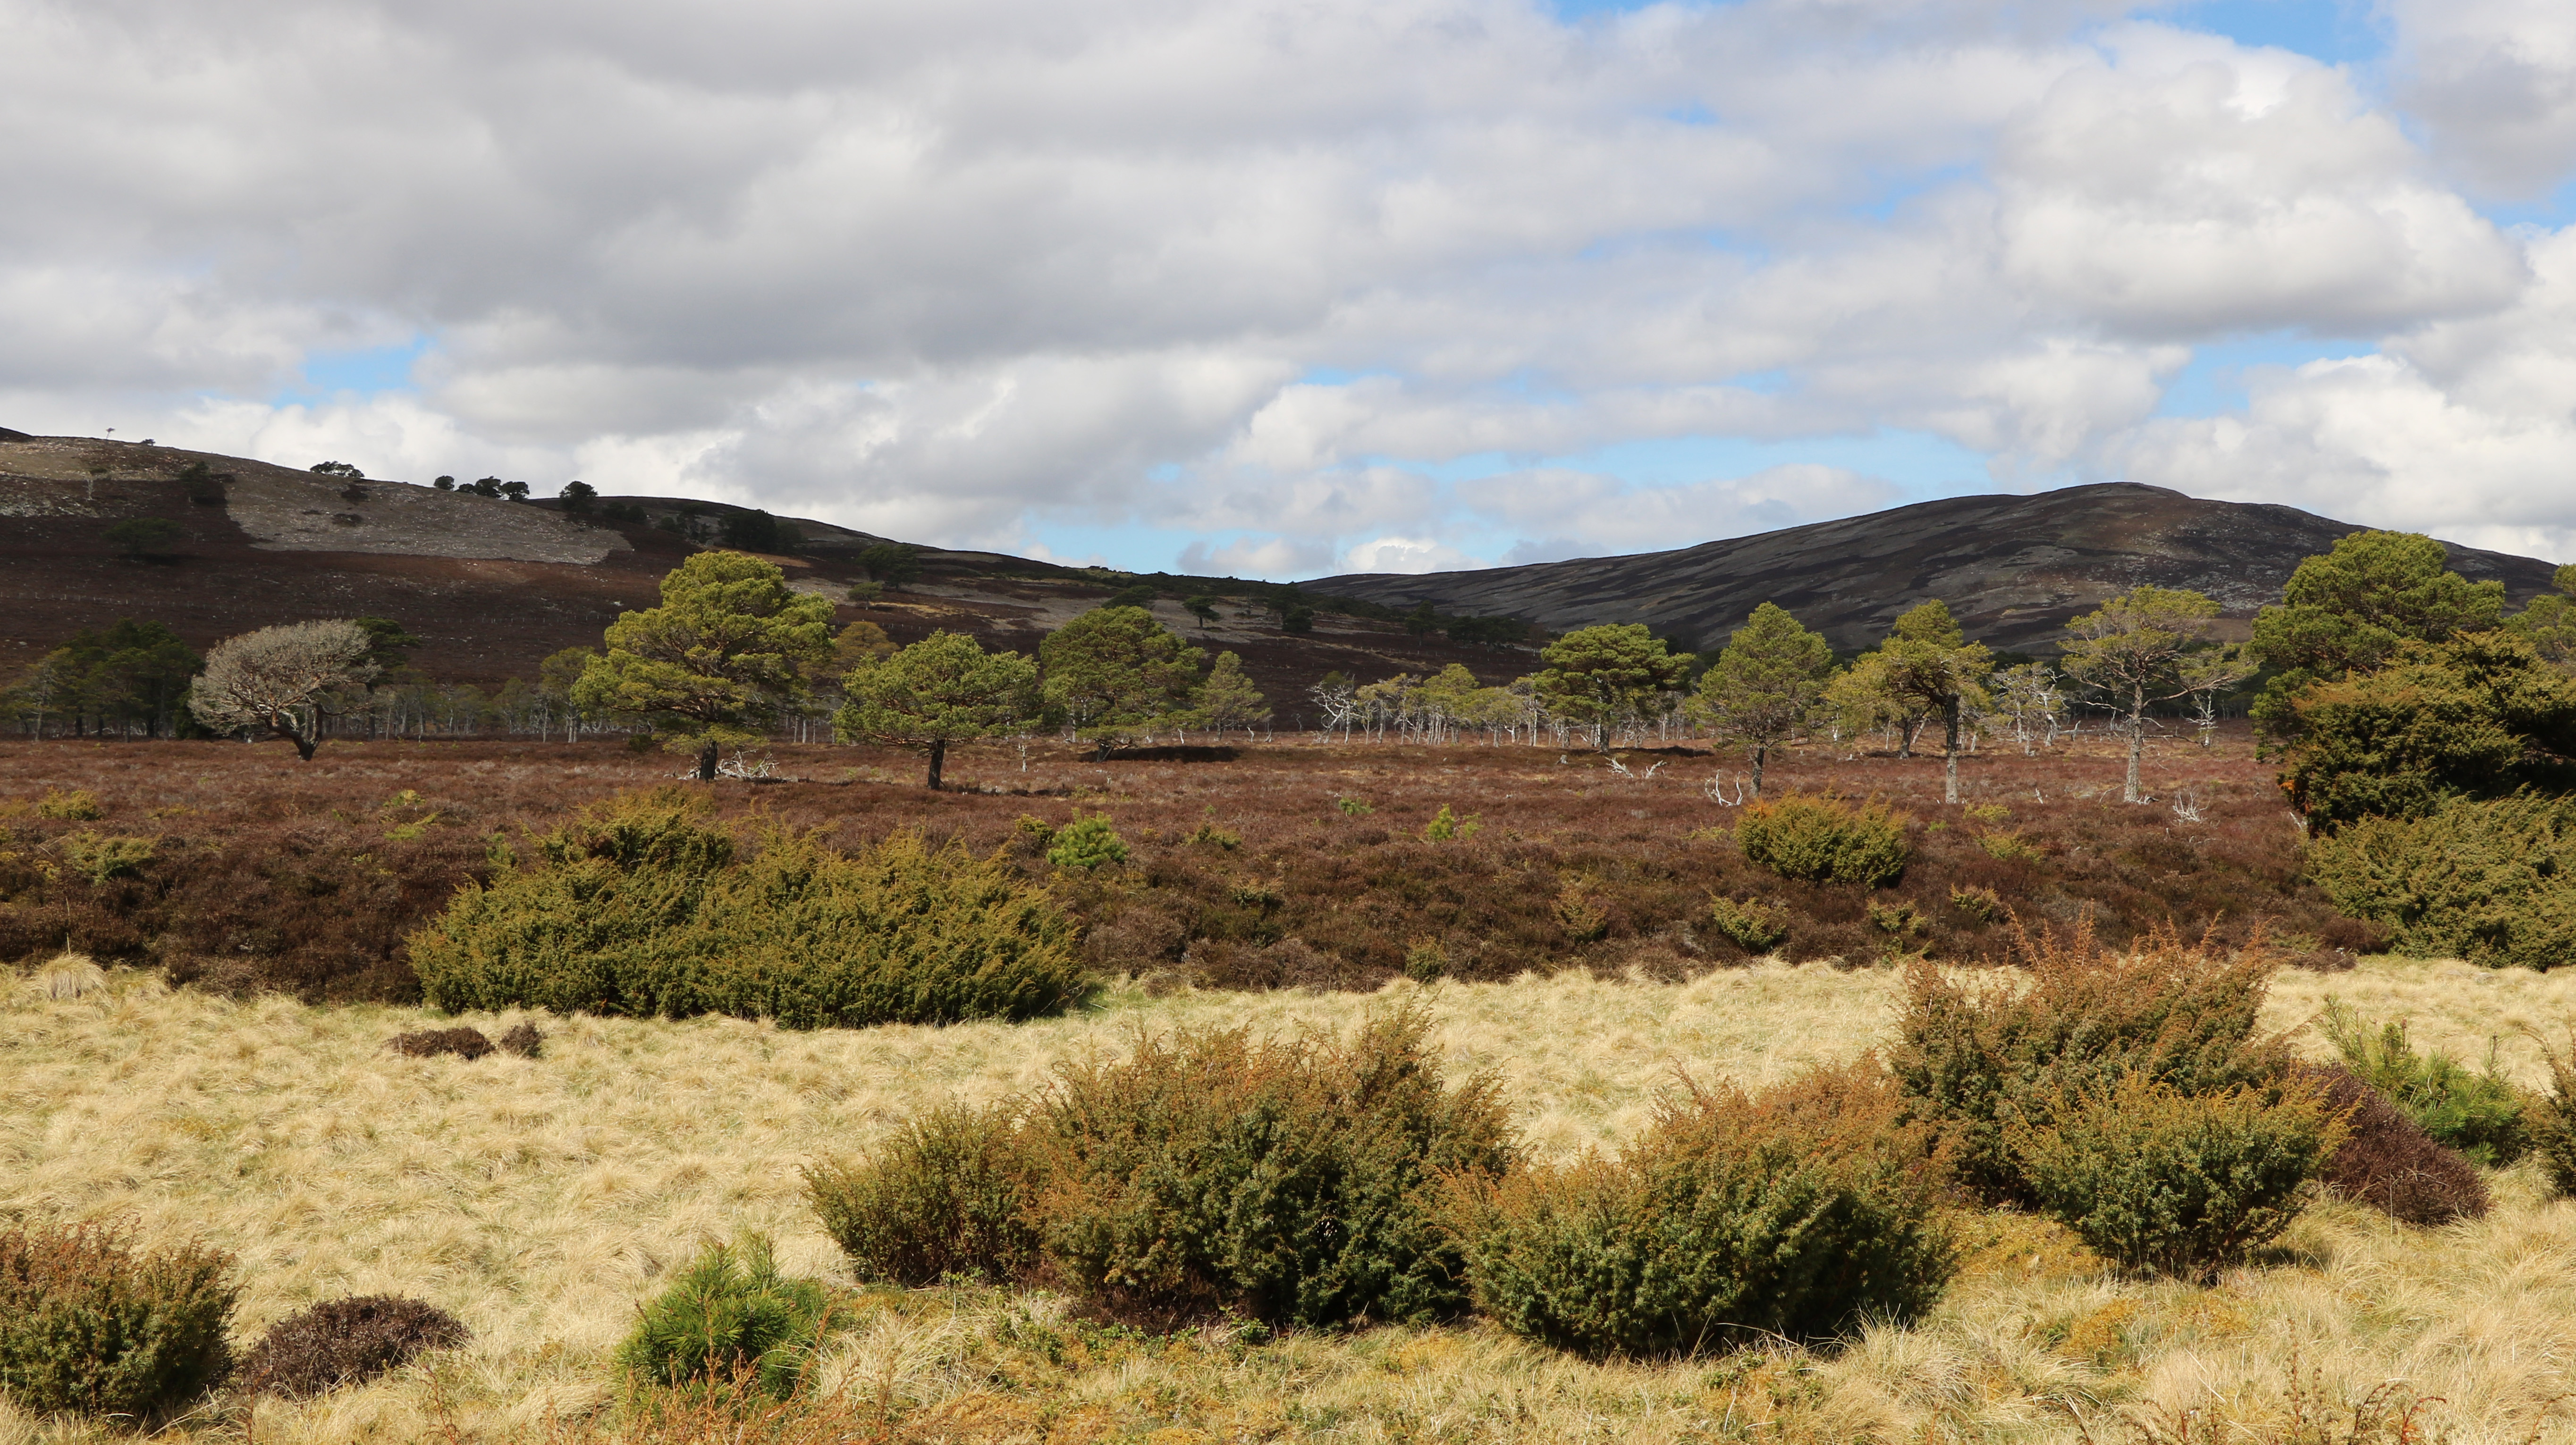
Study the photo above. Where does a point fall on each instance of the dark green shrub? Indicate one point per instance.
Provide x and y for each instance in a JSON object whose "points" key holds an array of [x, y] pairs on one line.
{"points": [[2153, 1178], [1798, 1212], [2551, 1117], [89, 1325], [2478, 1114], [1751, 925], [729, 1321], [946, 1194], [642, 907], [2491, 881], [1288, 1182], [2479, 716], [1823, 840], [1977, 1060], [347, 1342], [1086, 843]]}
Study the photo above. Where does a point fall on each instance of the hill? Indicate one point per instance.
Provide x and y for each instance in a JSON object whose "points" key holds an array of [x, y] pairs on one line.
{"points": [[494, 586], [2013, 568]]}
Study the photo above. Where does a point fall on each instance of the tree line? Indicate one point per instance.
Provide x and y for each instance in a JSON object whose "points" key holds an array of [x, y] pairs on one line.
{"points": [[732, 654]]}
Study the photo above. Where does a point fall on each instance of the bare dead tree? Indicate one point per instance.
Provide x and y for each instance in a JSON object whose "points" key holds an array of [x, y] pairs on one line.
{"points": [[282, 680]]}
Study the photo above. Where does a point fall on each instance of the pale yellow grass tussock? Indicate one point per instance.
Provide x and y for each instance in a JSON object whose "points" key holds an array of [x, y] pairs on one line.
{"points": [[540, 1200]]}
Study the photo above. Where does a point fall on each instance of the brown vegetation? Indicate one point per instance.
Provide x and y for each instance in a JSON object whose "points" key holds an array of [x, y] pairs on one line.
{"points": [[347, 1342], [2387, 1161], [1315, 871]]}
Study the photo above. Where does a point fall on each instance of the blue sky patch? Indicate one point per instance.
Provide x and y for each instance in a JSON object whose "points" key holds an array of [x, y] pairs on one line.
{"points": [[365, 372]]}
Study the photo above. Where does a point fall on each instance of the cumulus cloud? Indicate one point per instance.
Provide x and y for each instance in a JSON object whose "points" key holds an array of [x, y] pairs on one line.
{"points": [[1406, 554], [1604, 514], [2186, 186], [2495, 80], [2461, 429], [1256, 557], [1274, 272]]}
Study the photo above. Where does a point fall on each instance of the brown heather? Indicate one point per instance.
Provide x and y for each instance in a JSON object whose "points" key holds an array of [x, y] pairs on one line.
{"points": [[268, 874], [2388, 1162], [347, 1341]]}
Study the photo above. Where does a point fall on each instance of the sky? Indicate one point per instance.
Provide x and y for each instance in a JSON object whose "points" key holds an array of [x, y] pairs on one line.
{"points": [[1283, 288]]}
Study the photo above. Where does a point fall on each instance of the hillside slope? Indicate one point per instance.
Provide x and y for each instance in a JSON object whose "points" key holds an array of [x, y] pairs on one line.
{"points": [[494, 586], [2013, 568]]}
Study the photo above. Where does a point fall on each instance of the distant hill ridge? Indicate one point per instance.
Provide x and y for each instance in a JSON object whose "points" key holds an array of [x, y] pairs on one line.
{"points": [[2013, 568]]}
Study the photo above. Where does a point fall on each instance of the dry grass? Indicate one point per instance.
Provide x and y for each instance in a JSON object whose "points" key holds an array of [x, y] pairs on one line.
{"points": [[539, 1199]]}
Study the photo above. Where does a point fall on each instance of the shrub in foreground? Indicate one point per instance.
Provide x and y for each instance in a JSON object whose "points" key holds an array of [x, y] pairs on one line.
{"points": [[347, 1342], [2477, 1113], [729, 1321], [2490, 881], [1797, 1212], [1823, 840], [644, 907], [1293, 1182], [1980, 1059], [2182, 1184], [947, 1194], [2387, 1161], [89, 1325], [2552, 1116]]}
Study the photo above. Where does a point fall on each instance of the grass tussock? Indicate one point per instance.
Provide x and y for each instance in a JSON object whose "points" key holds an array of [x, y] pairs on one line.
{"points": [[542, 1201]]}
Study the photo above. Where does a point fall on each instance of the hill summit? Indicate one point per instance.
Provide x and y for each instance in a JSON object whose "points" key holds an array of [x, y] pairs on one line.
{"points": [[2013, 568]]}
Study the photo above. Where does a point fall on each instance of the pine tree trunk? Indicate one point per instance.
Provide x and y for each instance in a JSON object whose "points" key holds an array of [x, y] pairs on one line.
{"points": [[1759, 751], [1950, 750], [938, 757], [707, 762], [2137, 742]]}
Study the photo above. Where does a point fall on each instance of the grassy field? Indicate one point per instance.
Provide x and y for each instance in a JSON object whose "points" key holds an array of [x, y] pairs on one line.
{"points": [[539, 1200]]}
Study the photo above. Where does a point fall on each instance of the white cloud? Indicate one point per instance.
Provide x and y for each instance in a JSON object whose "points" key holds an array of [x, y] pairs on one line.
{"points": [[1256, 557], [2496, 82], [1406, 554], [1602, 514], [949, 272], [2461, 429], [2191, 187]]}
